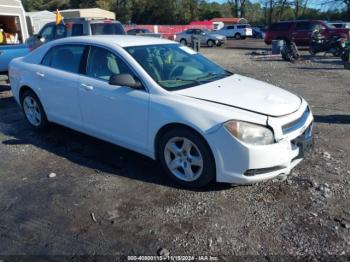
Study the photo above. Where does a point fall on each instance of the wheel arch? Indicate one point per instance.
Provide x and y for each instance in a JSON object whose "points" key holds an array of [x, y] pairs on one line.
{"points": [[164, 129]]}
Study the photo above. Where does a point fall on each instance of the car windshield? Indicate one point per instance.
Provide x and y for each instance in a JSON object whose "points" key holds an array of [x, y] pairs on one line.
{"points": [[175, 66], [107, 28]]}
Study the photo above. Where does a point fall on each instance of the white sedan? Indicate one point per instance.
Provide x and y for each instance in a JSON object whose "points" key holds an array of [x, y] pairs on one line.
{"points": [[167, 102]]}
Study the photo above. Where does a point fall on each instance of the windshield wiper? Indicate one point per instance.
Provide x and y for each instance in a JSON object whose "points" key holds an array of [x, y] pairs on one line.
{"points": [[180, 80], [212, 76]]}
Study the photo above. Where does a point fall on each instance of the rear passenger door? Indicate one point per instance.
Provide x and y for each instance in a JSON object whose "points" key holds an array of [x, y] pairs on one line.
{"points": [[302, 33], [57, 79]]}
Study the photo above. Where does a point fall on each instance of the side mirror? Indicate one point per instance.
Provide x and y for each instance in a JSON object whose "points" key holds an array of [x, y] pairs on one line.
{"points": [[203, 33], [41, 38], [124, 80]]}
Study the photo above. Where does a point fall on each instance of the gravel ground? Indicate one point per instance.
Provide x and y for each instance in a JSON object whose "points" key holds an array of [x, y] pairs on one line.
{"points": [[64, 193]]}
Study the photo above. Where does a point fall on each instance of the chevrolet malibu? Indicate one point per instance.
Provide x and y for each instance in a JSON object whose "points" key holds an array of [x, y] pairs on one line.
{"points": [[165, 101]]}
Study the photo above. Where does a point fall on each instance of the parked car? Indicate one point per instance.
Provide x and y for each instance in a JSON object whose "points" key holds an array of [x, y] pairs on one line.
{"points": [[205, 36], [75, 27], [8, 52], [143, 32], [301, 31], [238, 31], [259, 32], [168, 102], [341, 24]]}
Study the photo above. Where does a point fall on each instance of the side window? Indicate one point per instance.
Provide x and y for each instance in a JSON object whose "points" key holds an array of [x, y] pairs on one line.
{"points": [[77, 29], [189, 31], [61, 31], [47, 58], [47, 32], [230, 27], [302, 26], [102, 64], [65, 57]]}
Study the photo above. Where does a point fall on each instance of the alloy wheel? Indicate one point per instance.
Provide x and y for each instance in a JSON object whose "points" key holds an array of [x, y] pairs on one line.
{"points": [[32, 111], [183, 159]]}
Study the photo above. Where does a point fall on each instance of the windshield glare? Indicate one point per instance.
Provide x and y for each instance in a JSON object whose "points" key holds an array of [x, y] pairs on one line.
{"points": [[175, 66]]}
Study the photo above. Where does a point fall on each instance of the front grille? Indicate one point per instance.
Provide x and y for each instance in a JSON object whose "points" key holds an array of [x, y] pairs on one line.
{"points": [[254, 172], [296, 124]]}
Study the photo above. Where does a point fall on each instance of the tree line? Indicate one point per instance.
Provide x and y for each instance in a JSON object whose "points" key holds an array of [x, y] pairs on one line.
{"points": [[185, 11]]}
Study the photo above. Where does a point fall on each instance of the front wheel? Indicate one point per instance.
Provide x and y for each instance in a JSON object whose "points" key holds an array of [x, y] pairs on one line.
{"points": [[186, 158], [33, 110], [312, 50]]}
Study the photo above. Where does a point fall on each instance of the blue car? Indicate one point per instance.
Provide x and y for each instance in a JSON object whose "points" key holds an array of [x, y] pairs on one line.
{"points": [[258, 32]]}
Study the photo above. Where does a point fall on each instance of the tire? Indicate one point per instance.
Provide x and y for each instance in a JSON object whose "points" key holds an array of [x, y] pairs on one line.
{"points": [[189, 154], [237, 36], [210, 43], [312, 50], [183, 42], [33, 110], [345, 56]]}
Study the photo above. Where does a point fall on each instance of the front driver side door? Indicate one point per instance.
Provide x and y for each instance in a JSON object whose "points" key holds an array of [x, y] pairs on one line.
{"points": [[118, 114]]}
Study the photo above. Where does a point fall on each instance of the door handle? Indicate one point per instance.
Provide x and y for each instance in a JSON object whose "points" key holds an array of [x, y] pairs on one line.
{"points": [[40, 74], [87, 87]]}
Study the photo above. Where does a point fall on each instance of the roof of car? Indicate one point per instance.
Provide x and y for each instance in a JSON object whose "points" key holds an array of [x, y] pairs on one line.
{"points": [[121, 40]]}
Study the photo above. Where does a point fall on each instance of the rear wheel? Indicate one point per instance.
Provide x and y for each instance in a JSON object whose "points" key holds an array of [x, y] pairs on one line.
{"points": [[183, 42], [33, 110], [186, 158], [210, 43], [238, 36]]}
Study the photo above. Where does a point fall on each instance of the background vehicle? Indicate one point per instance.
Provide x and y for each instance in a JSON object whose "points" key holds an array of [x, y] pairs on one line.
{"points": [[301, 31], [238, 31], [206, 37], [75, 27], [258, 32], [341, 24], [8, 52], [143, 32], [13, 33]]}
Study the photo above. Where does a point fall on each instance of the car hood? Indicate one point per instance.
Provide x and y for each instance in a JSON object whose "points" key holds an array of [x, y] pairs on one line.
{"points": [[246, 93]]}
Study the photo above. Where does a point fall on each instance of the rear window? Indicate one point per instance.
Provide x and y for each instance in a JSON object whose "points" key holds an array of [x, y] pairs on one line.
{"points": [[77, 29], [107, 29], [280, 26]]}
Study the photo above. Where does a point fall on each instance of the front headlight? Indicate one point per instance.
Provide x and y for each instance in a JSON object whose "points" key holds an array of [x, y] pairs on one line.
{"points": [[250, 133]]}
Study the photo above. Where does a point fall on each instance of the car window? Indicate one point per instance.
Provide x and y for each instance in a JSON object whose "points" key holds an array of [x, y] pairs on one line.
{"points": [[300, 26], [60, 31], [64, 57], [107, 28], [189, 31], [102, 64], [231, 27], [280, 26], [47, 32], [77, 29]]}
